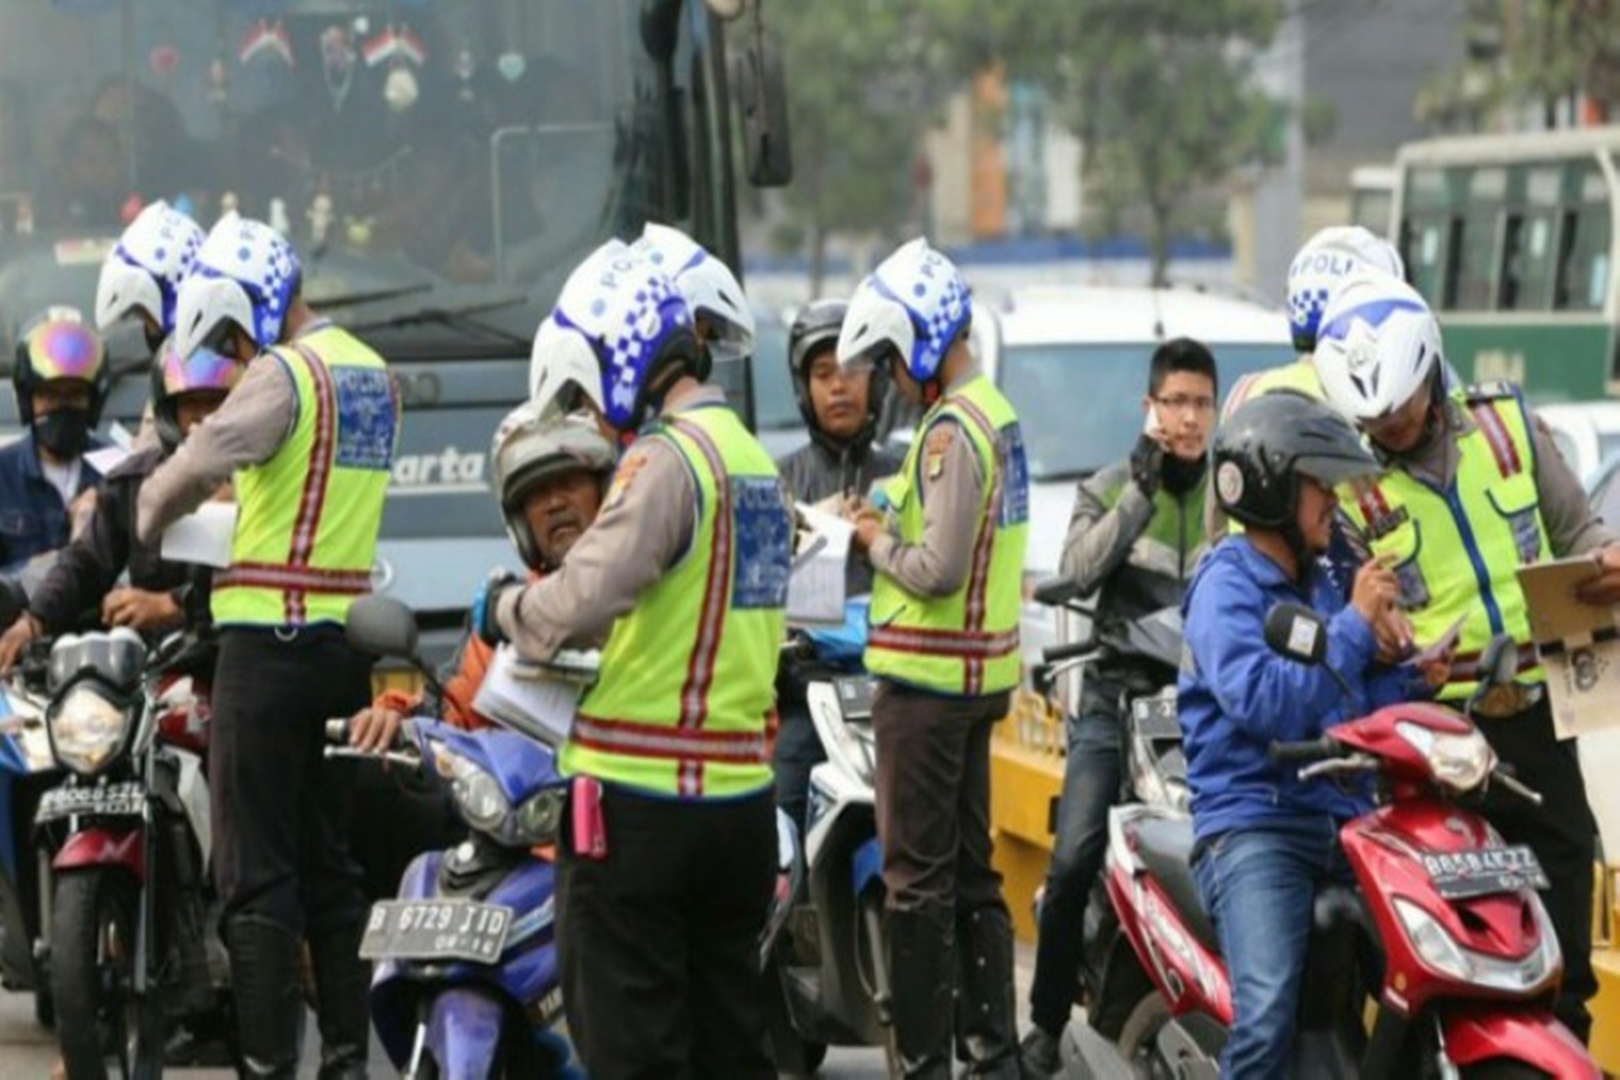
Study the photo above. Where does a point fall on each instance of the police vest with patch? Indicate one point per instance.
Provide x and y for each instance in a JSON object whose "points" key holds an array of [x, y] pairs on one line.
{"points": [[965, 643], [1456, 551], [307, 519], [687, 678], [1299, 377]]}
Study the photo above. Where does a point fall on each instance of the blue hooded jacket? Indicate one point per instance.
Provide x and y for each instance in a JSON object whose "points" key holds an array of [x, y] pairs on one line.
{"points": [[33, 518], [1237, 697]]}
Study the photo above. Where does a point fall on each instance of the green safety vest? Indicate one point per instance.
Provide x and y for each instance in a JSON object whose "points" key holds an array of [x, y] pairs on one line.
{"points": [[307, 519], [967, 642], [1457, 552], [688, 676], [1299, 377]]}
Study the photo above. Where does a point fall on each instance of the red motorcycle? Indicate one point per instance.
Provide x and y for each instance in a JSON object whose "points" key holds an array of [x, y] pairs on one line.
{"points": [[1448, 912]]}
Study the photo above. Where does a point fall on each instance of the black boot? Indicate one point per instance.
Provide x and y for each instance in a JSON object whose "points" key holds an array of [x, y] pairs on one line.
{"points": [[269, 1011], [986, 1024], [342, 1002], [922, 967]]}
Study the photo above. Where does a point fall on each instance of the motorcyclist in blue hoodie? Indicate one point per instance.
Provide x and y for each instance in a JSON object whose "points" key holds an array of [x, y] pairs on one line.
{"points": [[1265, 840]]}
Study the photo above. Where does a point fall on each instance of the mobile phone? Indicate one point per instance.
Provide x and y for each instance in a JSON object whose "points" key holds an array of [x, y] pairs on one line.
{"points": [[1150, 425]]}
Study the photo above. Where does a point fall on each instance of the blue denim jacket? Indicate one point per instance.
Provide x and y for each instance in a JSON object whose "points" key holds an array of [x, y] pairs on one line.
{"points": [[33, 519], [1237, 697]]}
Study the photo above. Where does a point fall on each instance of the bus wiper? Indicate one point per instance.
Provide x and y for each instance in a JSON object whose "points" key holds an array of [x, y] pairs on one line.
{"points": [[374, 296], [461, 318]]}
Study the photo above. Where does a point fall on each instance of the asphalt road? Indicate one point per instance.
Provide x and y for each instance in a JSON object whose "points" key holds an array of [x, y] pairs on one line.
{"points": [[27, 1051]]}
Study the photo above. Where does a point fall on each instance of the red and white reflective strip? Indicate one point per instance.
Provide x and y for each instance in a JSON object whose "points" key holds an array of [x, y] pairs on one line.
{"points": [[301, 578], [965, 645], [1496, 433], [688, 746], [983, 545], [712, 616], [1370, 499], [307, 524], [1239, 394]]}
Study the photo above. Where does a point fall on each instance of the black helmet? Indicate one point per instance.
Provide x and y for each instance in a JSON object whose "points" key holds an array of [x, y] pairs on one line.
{"points": [[58, 344], [816, 327], [1269, 440]]}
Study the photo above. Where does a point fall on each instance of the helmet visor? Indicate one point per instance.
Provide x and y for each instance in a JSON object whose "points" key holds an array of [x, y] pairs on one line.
{"points": [[1333, 470], [64, 350], [204, 369]]}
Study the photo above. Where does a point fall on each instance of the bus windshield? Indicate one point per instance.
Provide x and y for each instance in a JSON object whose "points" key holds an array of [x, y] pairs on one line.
{"points": [[440, 164]]}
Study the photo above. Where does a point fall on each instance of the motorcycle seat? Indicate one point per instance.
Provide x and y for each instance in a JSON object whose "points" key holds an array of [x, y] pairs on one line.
{"points": [[1165, 848]]}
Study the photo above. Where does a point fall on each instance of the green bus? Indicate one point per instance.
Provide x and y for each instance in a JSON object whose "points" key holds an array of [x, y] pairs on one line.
{"points": [[1510, 238]]}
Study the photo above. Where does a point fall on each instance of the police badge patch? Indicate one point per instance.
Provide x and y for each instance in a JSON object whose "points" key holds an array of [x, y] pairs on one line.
{"points": [[762, 552], [365, 408]]}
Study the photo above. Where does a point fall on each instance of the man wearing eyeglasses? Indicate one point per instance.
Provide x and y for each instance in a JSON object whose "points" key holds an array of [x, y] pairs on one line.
{"points": [[1135, 536]]}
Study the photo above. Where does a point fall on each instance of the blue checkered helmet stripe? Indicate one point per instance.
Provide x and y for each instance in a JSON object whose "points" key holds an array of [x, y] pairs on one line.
{"points": [[1373, 313]]}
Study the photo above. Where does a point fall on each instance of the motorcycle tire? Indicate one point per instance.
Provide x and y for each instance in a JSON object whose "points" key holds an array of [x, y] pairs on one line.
{"points": [[1138, 1038], [92, 973]]}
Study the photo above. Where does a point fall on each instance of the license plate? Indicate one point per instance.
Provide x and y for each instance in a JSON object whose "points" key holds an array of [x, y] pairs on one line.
{"points": [[436, 930], [110, 800], [1458, 875]]}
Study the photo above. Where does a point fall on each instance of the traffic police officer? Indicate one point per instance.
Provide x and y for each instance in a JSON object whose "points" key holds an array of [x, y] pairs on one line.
{"points": [[668, 875], [309, 436], [1474, 489], [949, 555]]}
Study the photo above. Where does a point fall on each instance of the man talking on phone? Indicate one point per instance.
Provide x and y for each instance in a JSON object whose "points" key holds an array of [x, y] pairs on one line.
{"points": [[1136, 533]]}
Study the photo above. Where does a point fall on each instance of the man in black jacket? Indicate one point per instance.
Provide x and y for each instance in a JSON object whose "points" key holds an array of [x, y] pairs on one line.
{"points": [[83, 585], [841, 410], [1135, 536]]}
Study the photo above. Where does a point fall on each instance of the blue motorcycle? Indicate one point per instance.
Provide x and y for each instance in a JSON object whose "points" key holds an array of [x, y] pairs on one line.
{"points": [[466, 981], [28, 770]]}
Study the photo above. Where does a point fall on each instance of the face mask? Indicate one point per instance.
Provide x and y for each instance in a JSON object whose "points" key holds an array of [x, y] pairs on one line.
{"points": [[65, 432]]}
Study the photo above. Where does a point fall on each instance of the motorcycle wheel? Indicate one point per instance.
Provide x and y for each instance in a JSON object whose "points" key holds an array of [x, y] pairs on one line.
{"points": [[1138, 1038], [1503, 1069], [92, 976]]}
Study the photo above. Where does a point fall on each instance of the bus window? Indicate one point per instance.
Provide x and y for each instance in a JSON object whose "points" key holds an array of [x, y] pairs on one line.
{"points": [[1474, 265], [1583, 260], [1527, 261], [1420, 251]]}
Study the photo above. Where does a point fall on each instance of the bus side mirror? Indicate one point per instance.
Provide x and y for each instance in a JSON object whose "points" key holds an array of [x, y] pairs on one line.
{"points": [[760, 85]]}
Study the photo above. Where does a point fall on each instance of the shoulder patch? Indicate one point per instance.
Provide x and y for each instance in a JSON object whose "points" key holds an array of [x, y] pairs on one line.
{"points": [[935, 445], [625, 475], [1495, 390]]}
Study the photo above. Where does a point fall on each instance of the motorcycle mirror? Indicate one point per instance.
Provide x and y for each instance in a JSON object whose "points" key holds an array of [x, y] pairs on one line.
{"points": [[382, 626], [1297, 632], [1499, 663]]}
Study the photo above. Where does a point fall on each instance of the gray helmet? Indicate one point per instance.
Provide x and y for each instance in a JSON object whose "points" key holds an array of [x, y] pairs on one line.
{"points": [[1272, 439], [531, 445]]}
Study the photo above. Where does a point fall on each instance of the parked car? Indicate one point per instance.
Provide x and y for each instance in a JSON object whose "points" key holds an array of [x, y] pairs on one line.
{"points": [[1587, 434]]}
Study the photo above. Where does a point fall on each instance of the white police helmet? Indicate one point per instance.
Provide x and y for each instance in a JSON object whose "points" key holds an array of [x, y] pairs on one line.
{"points": [[1327, 260], [915, 303]]}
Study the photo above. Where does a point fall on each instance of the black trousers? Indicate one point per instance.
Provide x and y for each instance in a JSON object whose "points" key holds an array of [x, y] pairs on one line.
{"points": [[1561, 832], [660, 939], [933, 798], [798, 751], [280, 809]]}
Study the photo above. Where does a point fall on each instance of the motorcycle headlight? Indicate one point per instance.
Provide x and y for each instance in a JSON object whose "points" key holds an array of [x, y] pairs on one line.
{"points": [[86, 729], [478, 795], [1443, 953], [1459, 762], [538, 819]]}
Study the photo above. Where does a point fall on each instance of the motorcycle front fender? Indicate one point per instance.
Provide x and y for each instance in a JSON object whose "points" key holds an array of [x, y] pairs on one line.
{"points": [[464, 1031], [102, 846], [1478, 1032]]}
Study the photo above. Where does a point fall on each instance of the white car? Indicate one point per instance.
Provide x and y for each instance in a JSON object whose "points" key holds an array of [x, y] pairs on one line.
{"points": [[1587, 434], [1073, 360]]}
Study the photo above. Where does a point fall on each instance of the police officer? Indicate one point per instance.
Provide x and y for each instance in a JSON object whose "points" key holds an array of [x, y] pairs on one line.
{"points": [[841, 410], [1477, 477], [669, 869], [949, 556], [1323, 263], [47, 488], [1134, 539], [309, 436]]}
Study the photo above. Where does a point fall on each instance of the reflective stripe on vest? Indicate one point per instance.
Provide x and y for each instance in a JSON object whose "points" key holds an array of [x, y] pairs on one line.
{"points": [[308, 517], [687, 677], [1456, 552], [965, 643]]}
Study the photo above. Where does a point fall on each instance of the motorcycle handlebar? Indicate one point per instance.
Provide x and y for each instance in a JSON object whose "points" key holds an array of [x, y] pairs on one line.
{"points": [[1509, 784], [1290, 753], [1053, 654]]}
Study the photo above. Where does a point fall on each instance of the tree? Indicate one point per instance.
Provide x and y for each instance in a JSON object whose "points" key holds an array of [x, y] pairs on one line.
{"points": [[1160, 91], [850, 67]]}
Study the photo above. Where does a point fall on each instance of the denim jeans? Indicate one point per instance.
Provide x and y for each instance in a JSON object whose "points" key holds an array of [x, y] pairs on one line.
{"points": [[1259, 885], [1091, 779]]}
